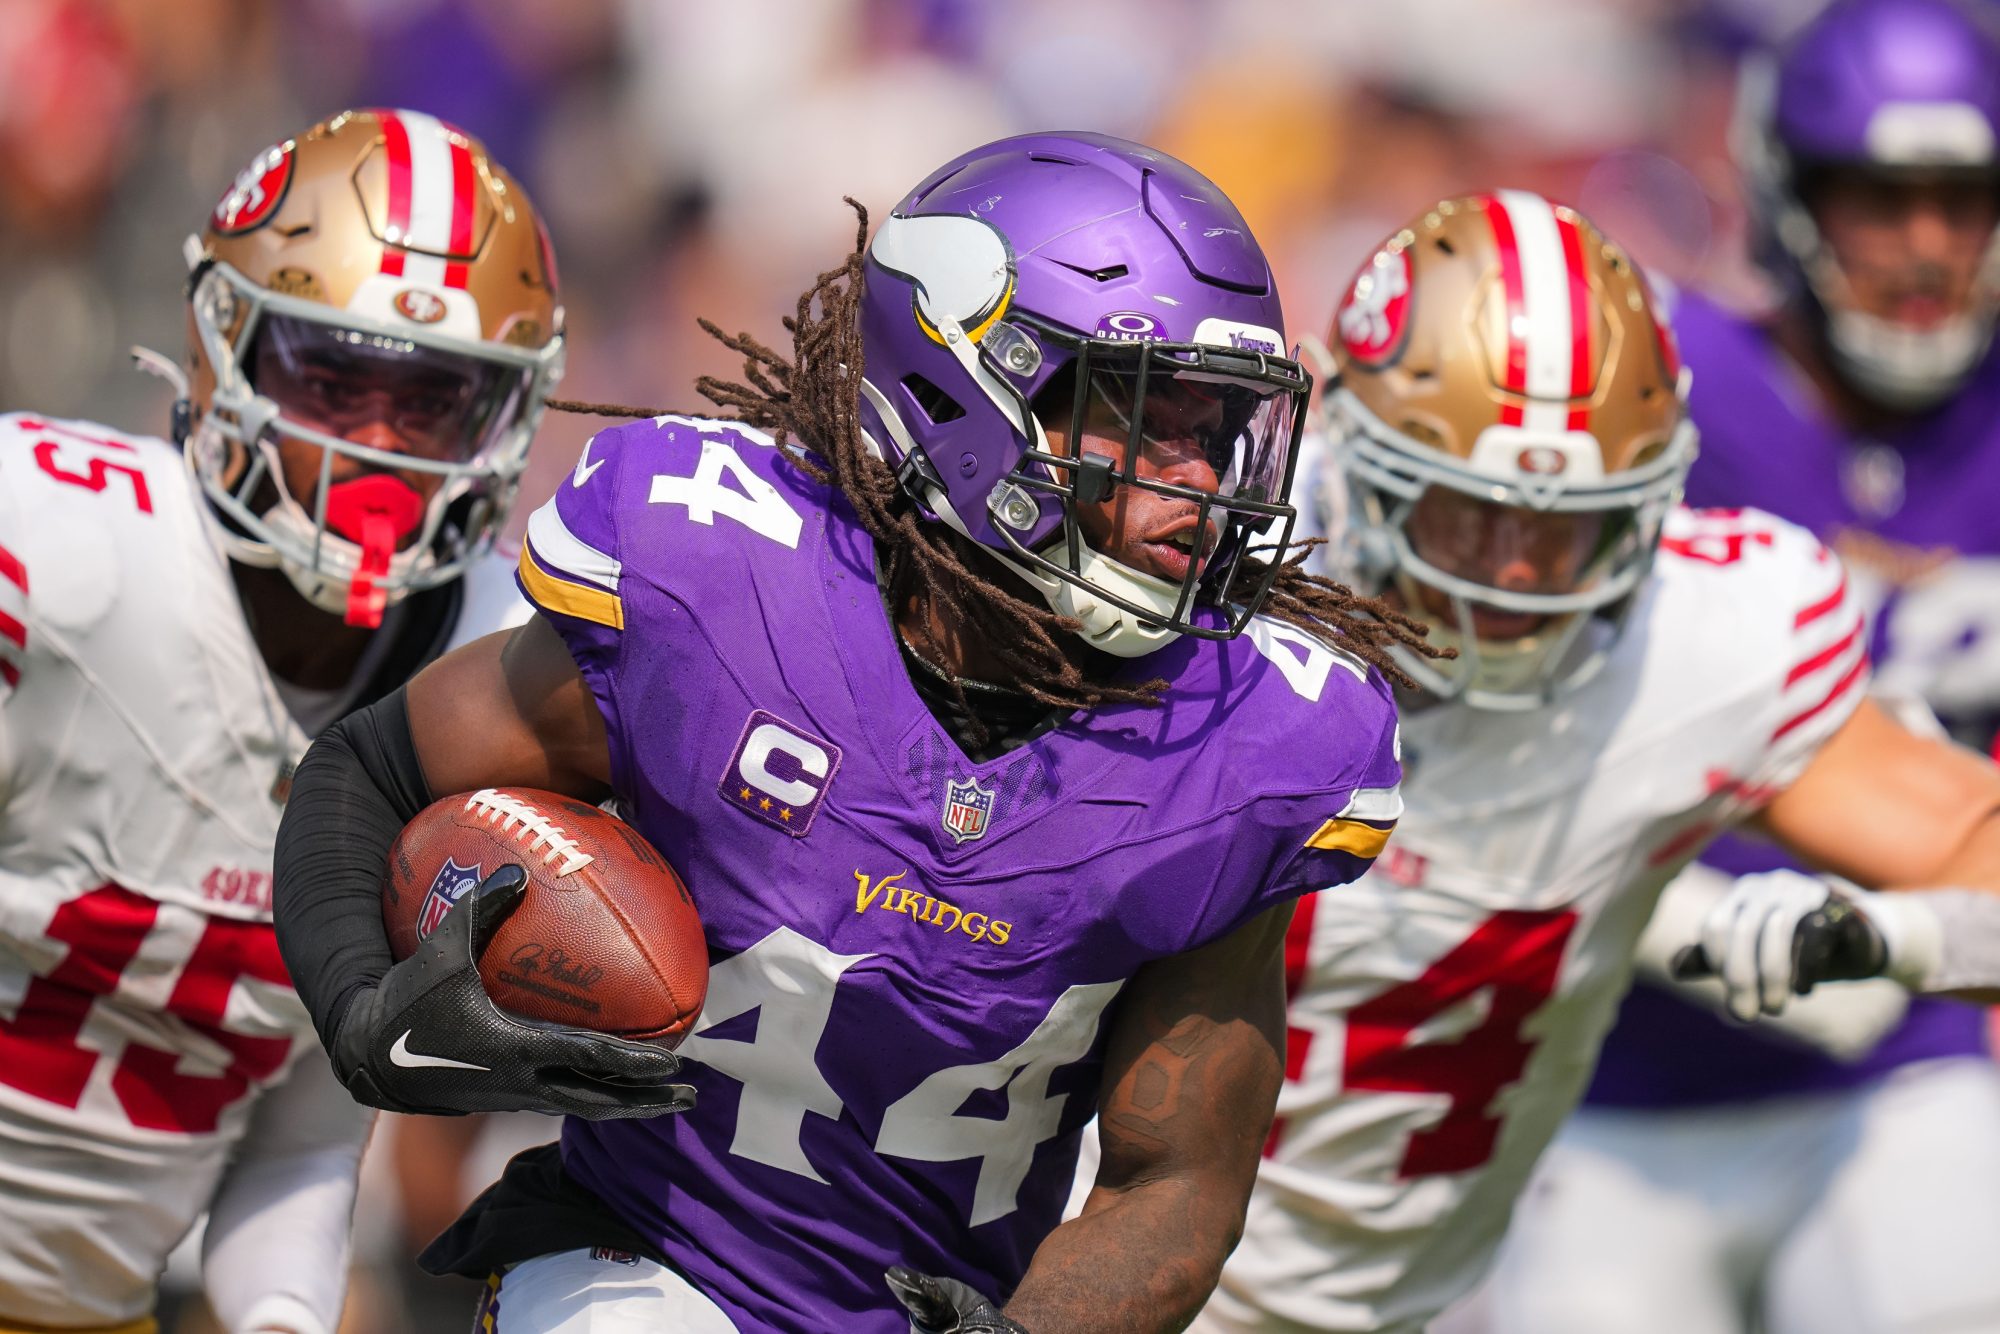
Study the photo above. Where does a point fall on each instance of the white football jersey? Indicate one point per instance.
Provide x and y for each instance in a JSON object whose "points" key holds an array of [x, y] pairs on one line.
{"points": [[143, 758], [1448, 1008]]}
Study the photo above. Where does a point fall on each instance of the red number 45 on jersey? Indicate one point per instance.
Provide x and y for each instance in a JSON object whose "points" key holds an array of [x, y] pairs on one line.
{"points": [[41, 1045]]}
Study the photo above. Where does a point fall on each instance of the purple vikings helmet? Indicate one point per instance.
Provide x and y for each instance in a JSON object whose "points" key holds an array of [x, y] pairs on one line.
{"points": [[1891, 86], [1102, 272]]}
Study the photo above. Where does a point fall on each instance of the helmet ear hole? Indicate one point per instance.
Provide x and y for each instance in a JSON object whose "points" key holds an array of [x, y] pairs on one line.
{"points": [[932, 401]]}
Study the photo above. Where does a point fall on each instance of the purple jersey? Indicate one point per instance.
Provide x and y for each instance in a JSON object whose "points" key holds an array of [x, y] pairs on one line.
{"points": [[914, 956], [1913, 519]]}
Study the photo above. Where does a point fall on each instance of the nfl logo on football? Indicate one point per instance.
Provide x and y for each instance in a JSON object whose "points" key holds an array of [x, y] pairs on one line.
{"points": [[967, 807], [452, 883]]}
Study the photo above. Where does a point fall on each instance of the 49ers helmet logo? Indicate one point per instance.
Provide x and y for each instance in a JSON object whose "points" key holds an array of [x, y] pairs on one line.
{"points": [[256, 193], [1371, 320], [420, 307]]}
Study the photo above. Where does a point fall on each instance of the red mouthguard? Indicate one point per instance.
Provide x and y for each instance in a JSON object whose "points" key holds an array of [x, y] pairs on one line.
{"points": [[375, 512]]}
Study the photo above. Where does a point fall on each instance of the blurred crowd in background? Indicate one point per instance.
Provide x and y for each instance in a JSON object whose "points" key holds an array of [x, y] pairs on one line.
{"points": [[691, 160]]}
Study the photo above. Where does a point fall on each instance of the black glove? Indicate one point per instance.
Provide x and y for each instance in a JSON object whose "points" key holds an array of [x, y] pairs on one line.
{"points": [[946, 1306], [428, 1038]]}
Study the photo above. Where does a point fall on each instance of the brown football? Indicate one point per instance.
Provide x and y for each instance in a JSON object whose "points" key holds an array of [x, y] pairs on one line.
{"points": [[607, 937]]}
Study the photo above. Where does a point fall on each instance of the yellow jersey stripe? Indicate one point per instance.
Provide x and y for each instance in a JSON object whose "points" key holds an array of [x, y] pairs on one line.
{"points": [[1363, 840], [569, 599]]}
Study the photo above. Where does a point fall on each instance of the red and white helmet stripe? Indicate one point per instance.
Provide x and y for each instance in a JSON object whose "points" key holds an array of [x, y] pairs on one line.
{"points": [[1548, 324], [430, 199]]}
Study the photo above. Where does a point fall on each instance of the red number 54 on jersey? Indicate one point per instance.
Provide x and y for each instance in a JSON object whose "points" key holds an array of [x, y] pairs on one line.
{"points": [[1396, 1041]]}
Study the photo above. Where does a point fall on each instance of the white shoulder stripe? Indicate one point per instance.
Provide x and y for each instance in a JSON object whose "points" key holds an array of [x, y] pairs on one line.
{"points": [[1373, 803], [562, 552]]}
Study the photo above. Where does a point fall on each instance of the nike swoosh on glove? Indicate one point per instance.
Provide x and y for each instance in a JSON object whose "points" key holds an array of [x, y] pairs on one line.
{"points": [[946, 1306], [428, 1039]]}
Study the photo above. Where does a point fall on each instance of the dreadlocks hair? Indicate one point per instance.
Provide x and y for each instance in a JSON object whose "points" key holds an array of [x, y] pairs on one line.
{"points": [[813, 400]]}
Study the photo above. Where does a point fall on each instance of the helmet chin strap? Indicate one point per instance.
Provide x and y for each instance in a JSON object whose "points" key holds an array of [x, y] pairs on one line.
{"points": [[1104, 625], [1906, 369], [376, 513]]}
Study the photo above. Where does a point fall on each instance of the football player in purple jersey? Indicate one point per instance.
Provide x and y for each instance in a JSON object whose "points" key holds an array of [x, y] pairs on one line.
{"points": [[952, 674], [1837, 1168]]}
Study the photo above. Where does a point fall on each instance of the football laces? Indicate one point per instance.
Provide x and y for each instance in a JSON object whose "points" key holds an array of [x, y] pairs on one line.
{"points": [[518, 819]]}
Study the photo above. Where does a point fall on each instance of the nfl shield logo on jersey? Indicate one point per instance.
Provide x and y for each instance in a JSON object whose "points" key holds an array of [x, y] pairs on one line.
{"points": [[967, 807], [452, 883]]}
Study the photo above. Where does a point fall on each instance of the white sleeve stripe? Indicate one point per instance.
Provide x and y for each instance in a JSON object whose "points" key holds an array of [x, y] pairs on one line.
{"points": [[560, 551], [1373, 803]]}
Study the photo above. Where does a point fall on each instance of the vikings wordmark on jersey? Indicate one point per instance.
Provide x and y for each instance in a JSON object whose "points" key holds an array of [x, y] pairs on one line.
{"points": [[1447, 1008], [914, 953]]}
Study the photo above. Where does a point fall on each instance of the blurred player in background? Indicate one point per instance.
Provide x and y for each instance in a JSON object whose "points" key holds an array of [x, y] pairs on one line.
{"points": [[896, 696], [1838, 1169], [373, 325], [1510, 439]]}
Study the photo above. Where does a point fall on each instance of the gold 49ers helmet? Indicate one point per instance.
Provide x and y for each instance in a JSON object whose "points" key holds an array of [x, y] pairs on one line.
{"points": [[374, 325], [1509, 422]]}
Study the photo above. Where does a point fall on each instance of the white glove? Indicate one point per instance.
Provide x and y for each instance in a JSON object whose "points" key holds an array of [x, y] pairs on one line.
{"points": [[1778, 934], [1846, 1022]]}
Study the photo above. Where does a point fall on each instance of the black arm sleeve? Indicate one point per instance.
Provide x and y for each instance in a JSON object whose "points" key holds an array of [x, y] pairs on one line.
{"points": [[353, 793]]}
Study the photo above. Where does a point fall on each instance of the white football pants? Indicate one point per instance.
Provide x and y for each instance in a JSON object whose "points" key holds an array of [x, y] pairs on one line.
{"points": [[1874, 1211], [581, 1292]]}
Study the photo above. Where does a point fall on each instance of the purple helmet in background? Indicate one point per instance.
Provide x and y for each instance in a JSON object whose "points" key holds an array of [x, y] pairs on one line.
{"points": [[1099, 272], [1891, 86]]}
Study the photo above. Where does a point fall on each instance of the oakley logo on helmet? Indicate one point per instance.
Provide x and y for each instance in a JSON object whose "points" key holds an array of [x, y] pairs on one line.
{"points": [[1130, 326], [779, 773], [256, 193], [1372, 318], [419, 306]]}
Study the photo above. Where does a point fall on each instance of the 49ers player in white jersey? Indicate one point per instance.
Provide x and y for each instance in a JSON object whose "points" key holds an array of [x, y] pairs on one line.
{"points": [[1510, 442], [373, 328]]}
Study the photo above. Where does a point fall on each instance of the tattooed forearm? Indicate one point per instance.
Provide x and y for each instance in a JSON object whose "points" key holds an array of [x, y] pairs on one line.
{"points": [[1140, 1112], [1190, 1080]]}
